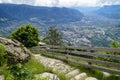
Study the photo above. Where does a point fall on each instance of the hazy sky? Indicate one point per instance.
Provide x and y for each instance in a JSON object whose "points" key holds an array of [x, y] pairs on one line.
{"points": [[65, 3]]}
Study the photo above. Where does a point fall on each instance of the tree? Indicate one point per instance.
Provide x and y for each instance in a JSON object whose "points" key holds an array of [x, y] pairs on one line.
{"points": [[114, 44], [28, 35], [53, 37]]}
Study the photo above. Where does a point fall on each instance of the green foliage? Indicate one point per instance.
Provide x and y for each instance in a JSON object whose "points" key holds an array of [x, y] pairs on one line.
{"points": [[112, 77], [61, 76], [53, 37], [92, 72], [20, 72], [8, 75], [41, 78], [26, 34], [114, 44], [3, 59]]}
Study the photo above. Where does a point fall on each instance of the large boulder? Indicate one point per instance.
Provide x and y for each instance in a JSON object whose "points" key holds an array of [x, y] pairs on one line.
{"points": [[16, 52]]}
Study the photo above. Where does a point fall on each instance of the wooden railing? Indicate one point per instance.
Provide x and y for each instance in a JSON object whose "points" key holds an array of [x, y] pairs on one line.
{"points": [[91, 57]]}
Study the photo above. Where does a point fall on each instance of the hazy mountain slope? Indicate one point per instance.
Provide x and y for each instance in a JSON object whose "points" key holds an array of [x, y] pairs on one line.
{"points": [[46, 14], [86, 9], [110, 11]]}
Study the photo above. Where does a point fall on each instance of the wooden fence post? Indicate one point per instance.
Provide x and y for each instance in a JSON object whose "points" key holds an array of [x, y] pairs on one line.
{"points": [[67, 53]]}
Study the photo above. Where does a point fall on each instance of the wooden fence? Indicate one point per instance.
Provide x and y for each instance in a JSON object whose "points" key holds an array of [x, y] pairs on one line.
{"points": [[105, 59]]}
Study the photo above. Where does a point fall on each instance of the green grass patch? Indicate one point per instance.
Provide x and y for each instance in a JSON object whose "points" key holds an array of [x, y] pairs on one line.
{"points": [[7, 74], [34, 66], [61, 76], [112, 77]]}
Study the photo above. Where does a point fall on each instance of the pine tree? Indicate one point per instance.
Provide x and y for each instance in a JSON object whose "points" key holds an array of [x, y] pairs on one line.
{"points": [[53, 37]]}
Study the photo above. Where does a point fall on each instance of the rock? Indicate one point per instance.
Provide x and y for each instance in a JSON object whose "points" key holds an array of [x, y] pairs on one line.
{"points": [[56, 65], [42, 44], [81, 76], [106, 74], [1, 77], [16, 52], [48, 76], [90, 78], [72, 73]]}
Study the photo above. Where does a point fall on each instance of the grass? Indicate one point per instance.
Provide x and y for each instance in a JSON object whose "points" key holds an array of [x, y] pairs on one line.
{"points": [[8, 75], [4, 71], [34, 66], [61, 76], [1, 70], [112, 77]]}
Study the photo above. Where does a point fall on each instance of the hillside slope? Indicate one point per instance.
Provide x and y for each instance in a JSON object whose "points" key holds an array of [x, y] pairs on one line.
{"points": [[110, 11], [36, 13]]}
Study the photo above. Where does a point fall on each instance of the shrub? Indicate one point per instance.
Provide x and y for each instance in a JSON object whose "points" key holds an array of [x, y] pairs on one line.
{"points": [[114, 44], [26, 34], [20, 72]]}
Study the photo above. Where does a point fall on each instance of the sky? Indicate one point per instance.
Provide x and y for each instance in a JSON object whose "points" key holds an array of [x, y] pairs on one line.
{"points": [[64, 3]]}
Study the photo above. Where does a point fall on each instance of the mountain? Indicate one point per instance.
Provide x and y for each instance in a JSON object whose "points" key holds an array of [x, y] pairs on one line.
{"points": [[110, 11], [86, 9], [49, 15]]}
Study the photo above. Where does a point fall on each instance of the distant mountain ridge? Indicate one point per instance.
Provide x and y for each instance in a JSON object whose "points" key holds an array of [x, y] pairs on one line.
{"points": [[112, 11], [86, 9], [46, 14]]}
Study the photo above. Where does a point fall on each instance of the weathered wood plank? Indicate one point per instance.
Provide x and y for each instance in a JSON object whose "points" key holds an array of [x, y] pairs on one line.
{"points": [[39, 47], [114, 57], [89, 66], [97, 67], [104, 63], [88, 48]]}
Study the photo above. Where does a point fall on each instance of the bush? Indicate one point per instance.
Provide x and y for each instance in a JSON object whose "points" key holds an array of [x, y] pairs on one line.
{"points": [[20, 72], [27, 35], [114, 44]]}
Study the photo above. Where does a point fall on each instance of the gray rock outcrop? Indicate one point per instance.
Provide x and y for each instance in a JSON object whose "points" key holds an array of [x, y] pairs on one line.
{"points": [[1, 77], [48, 76], [16, 52]]}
